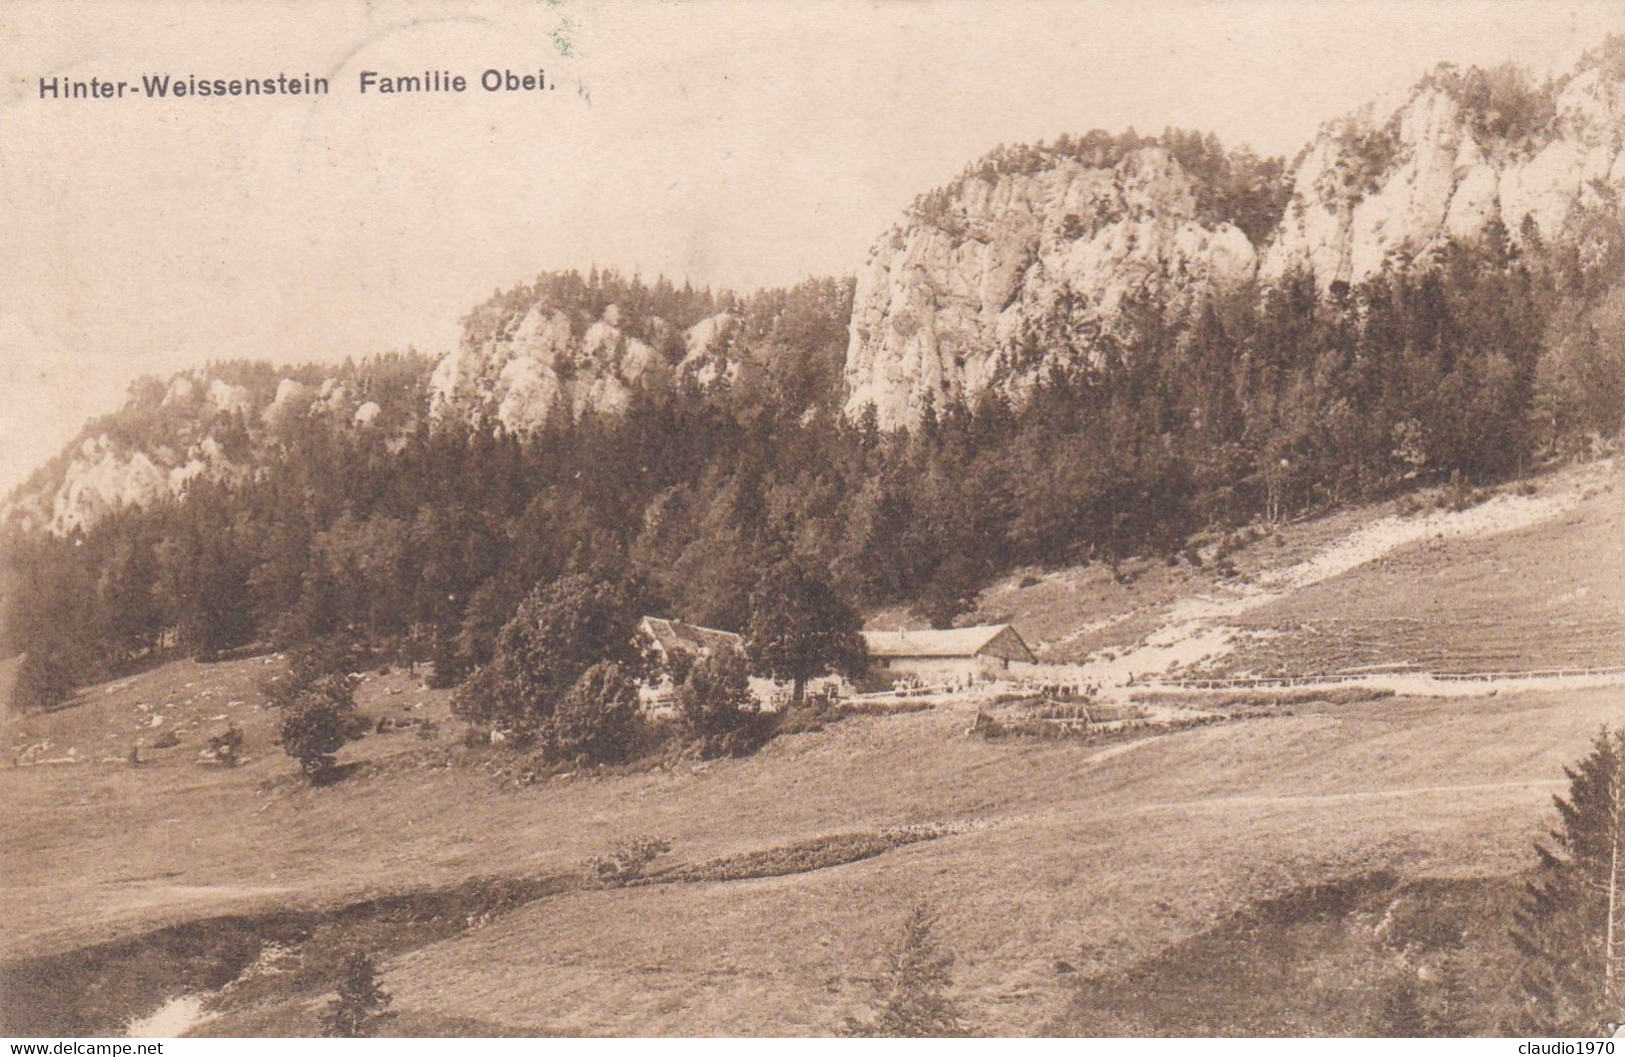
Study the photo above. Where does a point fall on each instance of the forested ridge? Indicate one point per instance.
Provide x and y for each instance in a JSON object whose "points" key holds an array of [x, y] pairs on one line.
{"points": [[425, 533]]}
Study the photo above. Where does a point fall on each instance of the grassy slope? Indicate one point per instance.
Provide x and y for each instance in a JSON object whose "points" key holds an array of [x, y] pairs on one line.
{"points": [[1100, 862], [1549, 595], [1097, 860]]}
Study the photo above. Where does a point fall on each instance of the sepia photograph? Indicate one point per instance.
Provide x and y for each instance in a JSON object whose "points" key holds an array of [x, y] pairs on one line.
{"points": [[819, 519]]}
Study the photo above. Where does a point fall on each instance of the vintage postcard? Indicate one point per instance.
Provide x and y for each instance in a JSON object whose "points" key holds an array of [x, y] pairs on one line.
{"points": [[849, 518]]}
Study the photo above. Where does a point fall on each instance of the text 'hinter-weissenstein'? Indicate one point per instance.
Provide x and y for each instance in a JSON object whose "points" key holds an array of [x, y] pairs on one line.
{"points": [[164, 86]]}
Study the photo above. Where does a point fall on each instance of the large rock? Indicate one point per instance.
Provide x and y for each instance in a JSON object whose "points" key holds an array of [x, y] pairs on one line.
{"points": [[522, 376], [942, 300], [1381, 188]]}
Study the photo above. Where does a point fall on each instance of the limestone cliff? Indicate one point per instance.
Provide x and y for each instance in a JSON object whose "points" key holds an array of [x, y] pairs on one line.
{"points": [[948, 302], [1031, 259], [1461, 150], [196, 426], [543, 362], [942, 299]]}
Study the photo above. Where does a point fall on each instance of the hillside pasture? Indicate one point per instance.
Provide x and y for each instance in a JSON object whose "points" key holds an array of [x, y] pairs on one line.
{"points": [[1053, 854]]}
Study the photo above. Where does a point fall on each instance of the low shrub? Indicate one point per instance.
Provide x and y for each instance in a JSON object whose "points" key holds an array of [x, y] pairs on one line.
{"points": [[883, 708], [1407, 505], [1265, 698], [809, 719], [626, 861], [989, 726], [804, 856]]}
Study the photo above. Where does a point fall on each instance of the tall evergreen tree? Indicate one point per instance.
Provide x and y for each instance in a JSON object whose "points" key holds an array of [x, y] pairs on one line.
{"points": [[1571, 927]]}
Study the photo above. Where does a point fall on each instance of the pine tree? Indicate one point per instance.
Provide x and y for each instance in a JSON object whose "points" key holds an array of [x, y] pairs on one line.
{"points": [[1451, 1015], [1568, 929], [359, 1007], [912, 999]]}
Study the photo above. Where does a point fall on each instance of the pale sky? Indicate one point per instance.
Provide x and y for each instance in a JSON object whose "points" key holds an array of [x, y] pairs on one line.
{"points": [[736, 144]]}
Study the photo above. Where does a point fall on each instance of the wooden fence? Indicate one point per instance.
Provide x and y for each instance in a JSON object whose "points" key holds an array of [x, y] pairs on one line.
{"points": [[1263, 681]]}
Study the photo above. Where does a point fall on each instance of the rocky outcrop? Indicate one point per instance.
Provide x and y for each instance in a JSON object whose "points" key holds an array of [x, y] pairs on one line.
{"points": [[101, 475], [545, 364], [948, 302], [708, 350], [942, 300], [168, 437], [1380, 189], [100, 478]]}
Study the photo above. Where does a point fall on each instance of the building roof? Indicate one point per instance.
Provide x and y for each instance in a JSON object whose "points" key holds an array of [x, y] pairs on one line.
{"points": [[675, 636], [952, 642]]}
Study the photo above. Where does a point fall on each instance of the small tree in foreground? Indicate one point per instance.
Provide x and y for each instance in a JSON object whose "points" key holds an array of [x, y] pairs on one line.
{"points": [[912, 995], [319, 722], [1571, 927], [359, 1007]]}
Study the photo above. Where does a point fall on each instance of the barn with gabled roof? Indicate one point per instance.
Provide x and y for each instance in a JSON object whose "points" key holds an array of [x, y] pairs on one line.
{"points": [[951, 654], [667, 638]]}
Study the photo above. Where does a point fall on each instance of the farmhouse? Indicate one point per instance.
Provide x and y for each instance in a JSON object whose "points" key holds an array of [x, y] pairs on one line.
{"points": [[675, 646], [953, 655], [667, 639]]}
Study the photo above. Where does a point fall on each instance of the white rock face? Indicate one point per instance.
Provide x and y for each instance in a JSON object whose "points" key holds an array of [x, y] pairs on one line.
{"points": [[180, 390], [100, 479], [542, 367], [941, 299], [232, 399], [1378, 188], [293, 399], [102, 475]]}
